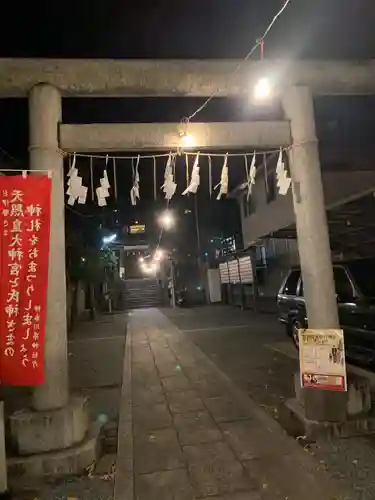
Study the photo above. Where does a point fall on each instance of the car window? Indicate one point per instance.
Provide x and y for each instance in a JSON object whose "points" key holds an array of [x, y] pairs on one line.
{"points": [[363, 272], [290, 287], [342, 283]]}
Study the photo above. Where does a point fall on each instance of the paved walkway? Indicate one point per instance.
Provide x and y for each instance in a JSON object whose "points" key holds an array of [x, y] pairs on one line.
{"points": [[186, 432]]}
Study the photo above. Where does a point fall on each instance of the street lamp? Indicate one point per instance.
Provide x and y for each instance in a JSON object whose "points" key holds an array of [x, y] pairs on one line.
{"points": [[167, 220], [109, 239]]}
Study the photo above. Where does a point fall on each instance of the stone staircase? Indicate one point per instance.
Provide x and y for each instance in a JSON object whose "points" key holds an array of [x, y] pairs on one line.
{"points": [[142, 293]]}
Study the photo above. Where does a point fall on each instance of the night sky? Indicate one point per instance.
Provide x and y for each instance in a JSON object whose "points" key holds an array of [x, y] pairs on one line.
{"points": [[175, 29], [187, 29]]}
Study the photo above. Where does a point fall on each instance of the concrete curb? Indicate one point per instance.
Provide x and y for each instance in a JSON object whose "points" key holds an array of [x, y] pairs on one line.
{"points": [[124, 475]]}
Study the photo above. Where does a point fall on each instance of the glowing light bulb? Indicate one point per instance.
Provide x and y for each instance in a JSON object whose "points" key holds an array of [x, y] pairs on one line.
{"points": [[263, 90], [188, 141]]}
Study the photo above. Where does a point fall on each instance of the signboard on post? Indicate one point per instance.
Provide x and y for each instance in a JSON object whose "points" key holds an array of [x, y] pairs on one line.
{"points": [[137, 229], [246, 270], [322, 359], [234, 271], [224, 272], [24, 249]]}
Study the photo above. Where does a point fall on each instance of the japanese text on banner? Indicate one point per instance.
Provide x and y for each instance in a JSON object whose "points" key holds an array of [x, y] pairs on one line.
{"points": [[25, 224]]}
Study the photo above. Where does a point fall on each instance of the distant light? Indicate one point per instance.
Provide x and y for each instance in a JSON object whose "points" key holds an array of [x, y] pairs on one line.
{"points": [[263, 90], [141, 259], [109, 239], [167, 220], [148, 269], [159, 254], [83, 259]]}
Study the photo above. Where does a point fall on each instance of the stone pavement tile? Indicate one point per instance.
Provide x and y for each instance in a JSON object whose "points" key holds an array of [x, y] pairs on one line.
{"points": [[139, 340], [161, 348], [165, 359], [184, 401], [198, 371], [163, 353], [168, 369], [151, 417], [214, 470], [143, 355], [177, 382], [209, 387], [144, 375], [143, 369], [147, 395], [168, 485], [157, 451], [247, 495], [225, 409], [196, 427], [157, 342], [249, 440], [282, 477], [190, 355], [202, 375]]}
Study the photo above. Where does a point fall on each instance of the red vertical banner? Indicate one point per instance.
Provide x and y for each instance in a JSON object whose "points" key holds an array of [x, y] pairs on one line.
{"points": [[25, 208]]}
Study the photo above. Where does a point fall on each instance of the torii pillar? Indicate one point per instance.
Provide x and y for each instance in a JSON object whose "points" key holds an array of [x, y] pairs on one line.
{"points": [[44, 118], [52, 436]]}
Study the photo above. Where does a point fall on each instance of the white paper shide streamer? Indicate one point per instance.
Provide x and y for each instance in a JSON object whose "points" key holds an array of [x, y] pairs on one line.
{"points": [[76, 191], [134, 192], [102, 192], [283, 180], [224, 179], [195, 178], [169, 186], [251, 175]]}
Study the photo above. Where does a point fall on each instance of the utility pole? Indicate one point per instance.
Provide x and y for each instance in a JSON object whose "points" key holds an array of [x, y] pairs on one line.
{"points": [[312, 237]]}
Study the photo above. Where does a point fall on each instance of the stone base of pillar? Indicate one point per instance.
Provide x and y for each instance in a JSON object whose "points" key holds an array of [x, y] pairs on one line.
{"points": [[345, 414], [72, 460], [34, 432], [299, 425], [54, 442]]}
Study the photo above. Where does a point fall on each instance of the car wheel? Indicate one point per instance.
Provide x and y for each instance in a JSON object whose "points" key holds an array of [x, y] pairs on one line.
{"points": [[296, 325]]}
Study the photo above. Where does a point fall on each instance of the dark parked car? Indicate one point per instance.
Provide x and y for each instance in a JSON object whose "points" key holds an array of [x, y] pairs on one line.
{"points": [[355, 291]]}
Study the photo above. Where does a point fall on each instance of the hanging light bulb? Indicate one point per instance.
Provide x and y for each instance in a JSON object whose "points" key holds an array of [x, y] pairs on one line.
{"points": [[263, 90], [188, 141]]}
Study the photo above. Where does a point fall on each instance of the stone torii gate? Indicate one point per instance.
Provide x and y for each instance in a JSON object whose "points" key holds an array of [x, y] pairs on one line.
{"points": [[45, 82]]}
